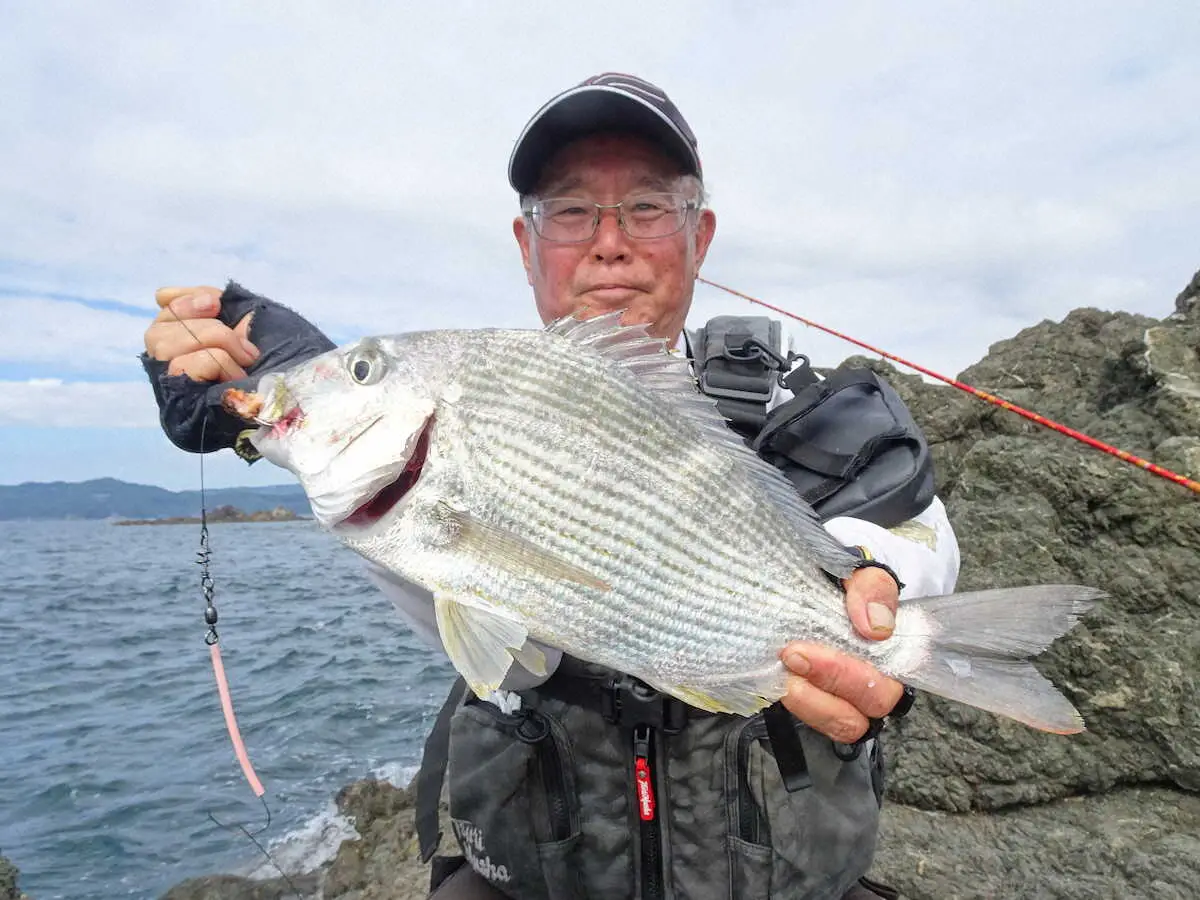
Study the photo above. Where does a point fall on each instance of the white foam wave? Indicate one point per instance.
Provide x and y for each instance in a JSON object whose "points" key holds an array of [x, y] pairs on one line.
{"points": [[307, 847], [398, 773]]}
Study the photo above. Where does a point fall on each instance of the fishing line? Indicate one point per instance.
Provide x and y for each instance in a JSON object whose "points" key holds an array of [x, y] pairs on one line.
{"points": [[1123, 455], [213, 640]]}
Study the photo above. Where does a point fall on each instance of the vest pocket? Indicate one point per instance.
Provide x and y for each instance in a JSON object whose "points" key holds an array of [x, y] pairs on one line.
{"points": [[749, 869], [513, 801], [812, 842]]}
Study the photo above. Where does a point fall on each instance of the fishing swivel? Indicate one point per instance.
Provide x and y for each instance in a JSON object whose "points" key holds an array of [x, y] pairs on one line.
{"points": [[210, 619]]}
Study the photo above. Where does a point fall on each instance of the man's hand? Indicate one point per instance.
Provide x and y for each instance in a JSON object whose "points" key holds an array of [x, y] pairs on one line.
{"points": [[188, 335], [835, 693]]}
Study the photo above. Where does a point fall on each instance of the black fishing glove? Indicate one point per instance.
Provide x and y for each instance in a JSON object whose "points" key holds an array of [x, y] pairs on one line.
{"points": [[283, 338]]}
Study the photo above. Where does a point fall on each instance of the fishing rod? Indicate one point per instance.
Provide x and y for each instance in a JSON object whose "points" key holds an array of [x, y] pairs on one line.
{"points": [[1123, 455]]}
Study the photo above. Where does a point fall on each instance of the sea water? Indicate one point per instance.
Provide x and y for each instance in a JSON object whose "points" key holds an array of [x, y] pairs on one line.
{"points": [[113, 749]]}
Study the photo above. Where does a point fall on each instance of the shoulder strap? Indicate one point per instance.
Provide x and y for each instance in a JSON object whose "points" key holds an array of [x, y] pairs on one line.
{"points": [[737, 361], [432, 773]]}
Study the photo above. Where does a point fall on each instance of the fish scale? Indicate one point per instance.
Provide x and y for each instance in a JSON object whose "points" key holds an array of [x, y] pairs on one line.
{"points": [[720, 551], [654, 533], [689, 563], [676, 560], [571, 487], [644, 617]]}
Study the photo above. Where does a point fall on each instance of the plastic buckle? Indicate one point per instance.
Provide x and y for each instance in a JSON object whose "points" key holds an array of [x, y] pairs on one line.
{"points": [[628, 702]]}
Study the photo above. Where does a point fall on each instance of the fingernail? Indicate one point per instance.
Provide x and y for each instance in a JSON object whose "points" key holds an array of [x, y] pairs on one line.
{"points": [[205, 303], [880, 617], [250, 348], [797, 662]]}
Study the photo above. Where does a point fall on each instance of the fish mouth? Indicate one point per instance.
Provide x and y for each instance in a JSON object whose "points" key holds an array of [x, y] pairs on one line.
{"points": [[385, 499]]}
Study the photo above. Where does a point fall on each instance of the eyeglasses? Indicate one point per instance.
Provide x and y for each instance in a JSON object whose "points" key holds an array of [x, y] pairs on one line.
{"points": [[572, 220]]}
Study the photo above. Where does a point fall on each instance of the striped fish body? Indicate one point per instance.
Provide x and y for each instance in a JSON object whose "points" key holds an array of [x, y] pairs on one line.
{"points": [[570, 488], [698, 575]]}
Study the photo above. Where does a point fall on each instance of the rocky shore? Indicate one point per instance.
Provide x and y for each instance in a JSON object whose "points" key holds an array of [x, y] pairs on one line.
{"points": [[8, 881], [223, 515], [979, 807]]}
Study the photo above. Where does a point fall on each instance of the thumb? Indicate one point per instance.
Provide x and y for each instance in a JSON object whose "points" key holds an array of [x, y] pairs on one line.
{"points": [[242, 328], [871, 601]]}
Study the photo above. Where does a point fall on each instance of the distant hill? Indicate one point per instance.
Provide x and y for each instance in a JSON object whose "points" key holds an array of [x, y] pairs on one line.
{"points": [[104, 498]]}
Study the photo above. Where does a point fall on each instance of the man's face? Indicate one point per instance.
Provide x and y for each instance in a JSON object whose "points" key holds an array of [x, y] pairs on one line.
{"points": [[651, 278]]}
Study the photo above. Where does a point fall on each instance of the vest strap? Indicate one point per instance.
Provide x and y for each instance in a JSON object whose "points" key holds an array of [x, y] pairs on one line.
{"points": [[789, 752], [737, 361], [621, 700], [432, 774]]}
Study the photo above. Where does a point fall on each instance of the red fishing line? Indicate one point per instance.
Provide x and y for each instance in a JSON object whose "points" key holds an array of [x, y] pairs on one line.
{"points": [[1124, 455]]}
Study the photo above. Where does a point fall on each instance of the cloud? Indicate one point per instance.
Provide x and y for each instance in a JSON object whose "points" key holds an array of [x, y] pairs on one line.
{"points": [[929, 179], [50, 402], [69, 335]]}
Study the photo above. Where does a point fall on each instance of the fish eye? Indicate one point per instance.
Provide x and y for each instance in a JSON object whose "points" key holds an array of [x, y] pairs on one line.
{"points": [[366, 366]]}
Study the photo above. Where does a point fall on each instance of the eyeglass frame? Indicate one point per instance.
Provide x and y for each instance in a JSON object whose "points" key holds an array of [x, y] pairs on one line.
{"points": [[690, 205]]}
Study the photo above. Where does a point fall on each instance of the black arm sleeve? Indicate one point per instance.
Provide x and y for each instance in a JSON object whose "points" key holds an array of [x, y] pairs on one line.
{"points": [[283, 337]]}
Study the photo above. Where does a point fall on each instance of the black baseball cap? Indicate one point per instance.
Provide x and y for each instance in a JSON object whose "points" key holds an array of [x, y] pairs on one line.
{"points": [[608, 102]]}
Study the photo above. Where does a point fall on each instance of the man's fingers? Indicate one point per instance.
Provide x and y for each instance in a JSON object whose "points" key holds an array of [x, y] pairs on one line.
{"points": [[206, 365], [167, 340], [830, 715], [165, 296], [871, 601], [242, 328], [860, 684], [189, 307]]}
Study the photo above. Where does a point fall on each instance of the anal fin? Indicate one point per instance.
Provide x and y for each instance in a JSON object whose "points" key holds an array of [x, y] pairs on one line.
{"points": [[743, 695]]}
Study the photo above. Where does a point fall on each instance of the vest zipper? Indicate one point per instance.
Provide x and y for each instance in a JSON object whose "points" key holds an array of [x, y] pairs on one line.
{"points": [[650, 832], [555, 786], [536, 729], [749, 829]]}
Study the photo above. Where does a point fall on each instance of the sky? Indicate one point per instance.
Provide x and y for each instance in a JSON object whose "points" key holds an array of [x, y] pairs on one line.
{"points": [[929, 177]]}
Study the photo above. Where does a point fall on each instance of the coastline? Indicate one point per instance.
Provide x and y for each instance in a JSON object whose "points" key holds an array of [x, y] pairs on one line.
{"points": [[223, 515]]}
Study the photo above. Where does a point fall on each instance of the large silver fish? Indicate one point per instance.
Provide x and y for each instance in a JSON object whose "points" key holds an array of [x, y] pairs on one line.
{"points": [[570, 487]]}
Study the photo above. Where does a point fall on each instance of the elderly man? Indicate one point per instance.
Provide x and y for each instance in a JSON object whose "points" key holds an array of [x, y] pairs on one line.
{"points": [[613, 217]]}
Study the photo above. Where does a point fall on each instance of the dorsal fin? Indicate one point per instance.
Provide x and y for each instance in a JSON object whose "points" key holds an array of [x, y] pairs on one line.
{"points": [[670, 375]]}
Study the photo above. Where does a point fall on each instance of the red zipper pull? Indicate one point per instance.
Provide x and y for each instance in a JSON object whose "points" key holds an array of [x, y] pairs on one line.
{"points": [[641, 773]]}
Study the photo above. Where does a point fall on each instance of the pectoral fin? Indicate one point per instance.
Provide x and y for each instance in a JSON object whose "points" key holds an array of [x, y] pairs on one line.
{"points": [[515, 554], [532, 658], [482, 644]]}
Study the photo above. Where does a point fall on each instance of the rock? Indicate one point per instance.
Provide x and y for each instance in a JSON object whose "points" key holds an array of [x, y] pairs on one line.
{"points": [[385, 863], [222, 515], [1111, 812], [232, 887], [1185, 303], [9, 889], [1134, 842]]}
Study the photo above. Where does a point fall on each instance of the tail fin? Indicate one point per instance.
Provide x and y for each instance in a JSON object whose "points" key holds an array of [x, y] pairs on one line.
{"points": [[976, 645]]}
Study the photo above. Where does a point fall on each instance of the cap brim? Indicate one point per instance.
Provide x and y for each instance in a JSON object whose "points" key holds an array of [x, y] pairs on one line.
{"points": [[586, 110]]}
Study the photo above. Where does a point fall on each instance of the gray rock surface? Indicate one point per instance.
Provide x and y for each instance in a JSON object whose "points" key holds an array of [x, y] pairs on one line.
{"points": [[987, 807], [1134, 842], [9, 890], [382, 864], [982, 807]]}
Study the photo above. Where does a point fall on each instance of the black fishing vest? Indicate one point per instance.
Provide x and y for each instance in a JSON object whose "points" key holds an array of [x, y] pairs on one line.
{"points": [[599, 786]]}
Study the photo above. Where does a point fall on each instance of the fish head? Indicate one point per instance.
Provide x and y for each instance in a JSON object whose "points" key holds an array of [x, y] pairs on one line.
{"points": [[354, 425]]}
